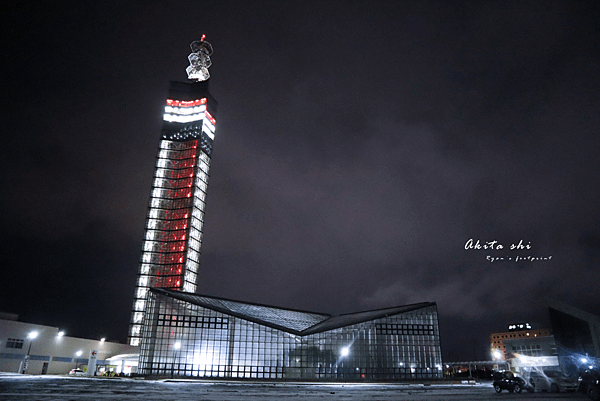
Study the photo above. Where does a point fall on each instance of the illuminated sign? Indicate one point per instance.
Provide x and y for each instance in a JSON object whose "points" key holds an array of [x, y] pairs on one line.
{"points": [[520, 326]]}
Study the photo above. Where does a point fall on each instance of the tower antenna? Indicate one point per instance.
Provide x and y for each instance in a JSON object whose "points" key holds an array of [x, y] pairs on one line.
{"points": [[199, 60]]}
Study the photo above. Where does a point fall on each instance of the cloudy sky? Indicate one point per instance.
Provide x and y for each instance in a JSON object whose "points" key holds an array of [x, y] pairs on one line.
{"points": [[359, 146]]}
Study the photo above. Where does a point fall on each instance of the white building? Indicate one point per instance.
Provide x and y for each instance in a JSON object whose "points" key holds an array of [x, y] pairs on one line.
{"points": [[36, 349], [526, 353]]}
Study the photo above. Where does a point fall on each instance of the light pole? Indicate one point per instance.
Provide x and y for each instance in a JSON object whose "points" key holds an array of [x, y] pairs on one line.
{"points": [[31, 337], [176, 347], [344, 352], [77, 354]]}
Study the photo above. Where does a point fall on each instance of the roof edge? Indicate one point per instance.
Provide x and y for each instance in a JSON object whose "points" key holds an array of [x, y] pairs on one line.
{"points": [[314, 329], [178, 295], [418, 305], [242, 302], [408, 308]]}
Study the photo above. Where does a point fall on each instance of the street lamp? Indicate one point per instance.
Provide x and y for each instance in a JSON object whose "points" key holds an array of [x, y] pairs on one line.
{"points": [[176, 347], [497, 355], [77, 354], [31, 337]]}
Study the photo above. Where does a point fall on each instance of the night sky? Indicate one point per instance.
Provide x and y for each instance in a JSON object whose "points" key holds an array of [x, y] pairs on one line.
{"points": [[359, 146]]}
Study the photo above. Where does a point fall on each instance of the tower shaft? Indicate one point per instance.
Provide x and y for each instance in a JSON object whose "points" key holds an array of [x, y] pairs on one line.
{"points": [[173, 236]]}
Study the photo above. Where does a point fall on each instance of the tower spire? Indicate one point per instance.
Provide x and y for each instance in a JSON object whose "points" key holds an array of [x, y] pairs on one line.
{"points": [[199, 60]]}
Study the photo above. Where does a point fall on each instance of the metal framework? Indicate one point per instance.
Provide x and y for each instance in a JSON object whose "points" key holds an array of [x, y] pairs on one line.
{"points": [[191, 335]]}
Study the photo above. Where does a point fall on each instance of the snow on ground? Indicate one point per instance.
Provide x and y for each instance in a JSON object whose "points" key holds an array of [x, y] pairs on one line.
{"points": [[26, 387]]}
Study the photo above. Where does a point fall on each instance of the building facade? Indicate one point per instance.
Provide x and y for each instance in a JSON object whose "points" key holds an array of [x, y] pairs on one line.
{"points": [[38, 349], [498, 349], [531, 352], [173, 236], [191, 335]]}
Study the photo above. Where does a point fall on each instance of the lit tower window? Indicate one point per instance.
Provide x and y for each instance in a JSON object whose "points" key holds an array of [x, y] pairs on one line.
{"points": [[171, 248]]}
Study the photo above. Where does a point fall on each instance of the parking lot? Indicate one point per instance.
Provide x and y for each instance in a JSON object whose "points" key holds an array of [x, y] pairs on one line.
{"points": [[27, 387]]}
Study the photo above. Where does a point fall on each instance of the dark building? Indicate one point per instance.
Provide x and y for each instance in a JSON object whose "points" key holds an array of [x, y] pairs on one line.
{"points": [[199, 336], [577, 335]]}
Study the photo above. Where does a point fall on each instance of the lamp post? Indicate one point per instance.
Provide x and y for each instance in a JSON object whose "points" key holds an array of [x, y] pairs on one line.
{"points": [[31, 337], [77, 354], [344, 352], [176, 347]]}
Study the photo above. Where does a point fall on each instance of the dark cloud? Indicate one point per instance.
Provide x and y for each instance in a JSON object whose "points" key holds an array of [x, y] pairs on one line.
{"points": [[359, 146]]}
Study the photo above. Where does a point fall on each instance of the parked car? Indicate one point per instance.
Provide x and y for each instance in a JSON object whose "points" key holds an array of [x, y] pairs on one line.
{"points": [[553, 381], [589, 383], [77, 372], [508, 381]]}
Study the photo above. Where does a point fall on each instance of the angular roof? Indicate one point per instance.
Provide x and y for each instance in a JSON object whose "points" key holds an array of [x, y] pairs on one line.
{"points": [[349, 319], [293, 321]]}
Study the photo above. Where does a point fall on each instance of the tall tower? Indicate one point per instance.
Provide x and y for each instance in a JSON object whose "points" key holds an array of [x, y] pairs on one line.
{"points": [[171, 249]]}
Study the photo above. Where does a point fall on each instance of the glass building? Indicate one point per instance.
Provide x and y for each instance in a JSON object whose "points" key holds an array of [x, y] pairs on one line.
{"points": [[192, 335], [171, 248]]}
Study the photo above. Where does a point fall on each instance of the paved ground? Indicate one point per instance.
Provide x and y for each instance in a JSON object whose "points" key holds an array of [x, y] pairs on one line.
{"points": [[25, 387]]}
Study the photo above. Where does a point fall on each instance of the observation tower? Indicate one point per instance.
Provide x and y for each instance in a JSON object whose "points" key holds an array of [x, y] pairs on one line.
{"points": [[173, 236]]}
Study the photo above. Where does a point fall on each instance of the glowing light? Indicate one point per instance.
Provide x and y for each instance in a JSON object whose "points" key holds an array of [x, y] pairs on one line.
{"points": [[174, 118], [32, 335], [60, 334], [210, 118], [78, 353], [186, 103], [497, 354], [584, 360], [177, 345], [345, 351], [102, 339], [204, 358]]}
